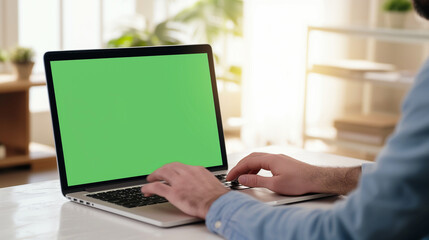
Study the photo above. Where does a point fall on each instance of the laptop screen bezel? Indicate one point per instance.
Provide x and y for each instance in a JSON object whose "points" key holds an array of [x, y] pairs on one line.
{"points": [[116, 53]]}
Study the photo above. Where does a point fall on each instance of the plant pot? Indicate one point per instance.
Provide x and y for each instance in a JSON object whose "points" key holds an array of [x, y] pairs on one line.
{"points": [[395, 19], [23, 70]]}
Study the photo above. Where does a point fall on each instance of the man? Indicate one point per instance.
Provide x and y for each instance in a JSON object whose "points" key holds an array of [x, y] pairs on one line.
{"points": [[389, 201]]}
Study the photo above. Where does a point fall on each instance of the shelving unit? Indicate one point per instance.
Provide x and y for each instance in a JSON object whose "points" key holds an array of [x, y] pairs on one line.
{"points": [[328, 135], [364, 80], [15, 126]]}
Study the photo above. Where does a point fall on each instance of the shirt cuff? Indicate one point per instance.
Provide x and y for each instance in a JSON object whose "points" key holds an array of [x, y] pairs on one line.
{"points": [[222, 210], [368, 167]]}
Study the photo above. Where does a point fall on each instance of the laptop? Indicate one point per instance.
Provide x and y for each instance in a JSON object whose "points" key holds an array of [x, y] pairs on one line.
{"points": [[119, 114]]}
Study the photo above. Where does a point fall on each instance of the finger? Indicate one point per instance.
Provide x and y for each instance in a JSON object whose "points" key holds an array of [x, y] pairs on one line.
{"points": [[250, 156], [249, 164], [237, 172], [252, 180], [233, 174], [157, 188], [165, 173], [256, 171]]}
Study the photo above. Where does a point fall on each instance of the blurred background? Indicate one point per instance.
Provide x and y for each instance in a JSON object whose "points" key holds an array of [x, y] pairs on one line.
{"points": [[324, 75]]}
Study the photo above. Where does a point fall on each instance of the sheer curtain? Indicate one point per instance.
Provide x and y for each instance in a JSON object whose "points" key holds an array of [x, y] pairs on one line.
{"points": [[274, 69]]}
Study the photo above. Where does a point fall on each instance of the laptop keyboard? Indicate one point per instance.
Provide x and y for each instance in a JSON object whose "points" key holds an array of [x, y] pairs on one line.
{"points": [[221, 177], [129, 197], [132, 197]]}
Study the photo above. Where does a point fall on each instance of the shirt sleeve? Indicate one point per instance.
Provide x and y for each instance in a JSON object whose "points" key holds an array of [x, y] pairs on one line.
{"points": [[390, 202], [368, 167], [238, 216]]}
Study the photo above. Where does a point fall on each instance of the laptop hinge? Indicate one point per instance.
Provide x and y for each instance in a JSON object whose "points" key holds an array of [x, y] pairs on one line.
{"points": [[116, 185]]}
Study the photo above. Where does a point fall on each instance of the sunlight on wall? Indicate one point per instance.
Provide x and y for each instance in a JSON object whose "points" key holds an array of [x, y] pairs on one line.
{"points": [[275, 33]]}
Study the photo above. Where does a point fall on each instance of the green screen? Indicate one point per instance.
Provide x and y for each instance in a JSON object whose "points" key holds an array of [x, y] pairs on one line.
{"points": [[126, 117]]}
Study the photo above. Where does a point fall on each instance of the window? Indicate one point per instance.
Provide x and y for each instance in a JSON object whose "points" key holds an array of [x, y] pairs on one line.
{"points": [[39, 29], [49, 25]]}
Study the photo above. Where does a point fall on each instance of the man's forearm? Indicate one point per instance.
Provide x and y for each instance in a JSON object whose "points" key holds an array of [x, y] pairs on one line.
{"points": [[337, 180]]}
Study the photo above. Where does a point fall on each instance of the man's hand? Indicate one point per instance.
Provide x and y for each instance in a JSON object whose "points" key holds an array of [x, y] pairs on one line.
{"points": [[293, 177], [192, 189]]}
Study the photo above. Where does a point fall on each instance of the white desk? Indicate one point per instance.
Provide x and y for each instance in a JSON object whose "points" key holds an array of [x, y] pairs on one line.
{"points": [[39, 211]]}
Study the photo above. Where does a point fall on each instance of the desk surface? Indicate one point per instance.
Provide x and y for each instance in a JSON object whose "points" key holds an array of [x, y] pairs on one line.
{"points": [[39, 211]]}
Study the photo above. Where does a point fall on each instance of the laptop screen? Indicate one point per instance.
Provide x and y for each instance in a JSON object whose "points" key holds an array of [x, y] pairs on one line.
{"points": [[127, 116]]}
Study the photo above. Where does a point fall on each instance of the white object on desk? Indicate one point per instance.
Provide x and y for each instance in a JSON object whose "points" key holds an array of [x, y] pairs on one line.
{"points": [[39, 211]]}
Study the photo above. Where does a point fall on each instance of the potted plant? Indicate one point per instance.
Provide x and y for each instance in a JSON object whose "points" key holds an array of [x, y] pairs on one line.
{"points": [[396, 12], [22, 59], [2, 56]]}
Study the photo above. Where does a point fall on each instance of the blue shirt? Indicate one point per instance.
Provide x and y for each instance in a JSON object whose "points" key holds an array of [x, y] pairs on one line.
{"points": [[390, 202]]}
